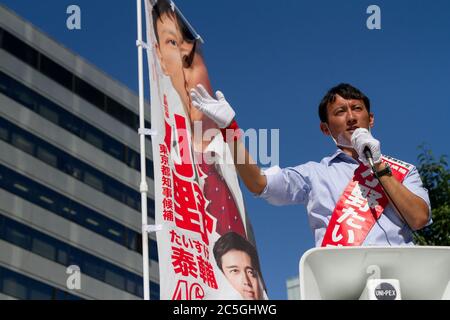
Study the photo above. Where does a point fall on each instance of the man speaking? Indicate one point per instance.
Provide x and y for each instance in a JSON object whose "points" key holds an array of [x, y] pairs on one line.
{"points": [[354, 197]]}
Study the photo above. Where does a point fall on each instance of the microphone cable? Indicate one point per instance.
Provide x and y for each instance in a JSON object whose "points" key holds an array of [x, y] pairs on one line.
{"points": [[369, 158]]}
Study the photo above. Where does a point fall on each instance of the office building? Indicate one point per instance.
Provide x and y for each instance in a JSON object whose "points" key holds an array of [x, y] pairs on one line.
{"points": [[69, 174]]}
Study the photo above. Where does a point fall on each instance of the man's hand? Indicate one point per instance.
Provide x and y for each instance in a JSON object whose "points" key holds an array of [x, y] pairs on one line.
{"points": [[218, 110], [361, 139]]}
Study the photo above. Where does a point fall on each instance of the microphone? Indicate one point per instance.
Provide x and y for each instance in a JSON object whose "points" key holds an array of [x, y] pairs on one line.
{"points": [[366, 151], [368, 155]]}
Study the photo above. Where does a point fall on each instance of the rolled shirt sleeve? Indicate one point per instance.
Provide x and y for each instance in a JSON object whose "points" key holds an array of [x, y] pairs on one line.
{"points": [[413, 183], [285, 186]]}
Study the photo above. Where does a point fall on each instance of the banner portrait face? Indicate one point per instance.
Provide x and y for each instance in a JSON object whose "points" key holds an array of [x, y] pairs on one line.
{"points": [[238, 260], [180, 58], [197, 196]]}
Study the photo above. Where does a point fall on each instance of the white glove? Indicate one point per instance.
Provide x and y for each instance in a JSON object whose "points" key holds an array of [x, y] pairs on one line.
{"points": [[218, 110], [362, 138]]}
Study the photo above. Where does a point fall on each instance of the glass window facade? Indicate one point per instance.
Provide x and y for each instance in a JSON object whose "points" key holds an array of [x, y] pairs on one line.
{"points": [[24, 237], [66, 120], [64, 77], [70, 165], [50, 200], [19, 286]]}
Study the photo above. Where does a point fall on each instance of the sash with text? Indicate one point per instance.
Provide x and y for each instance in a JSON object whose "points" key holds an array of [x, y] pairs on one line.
{"points": [[360, 206]]}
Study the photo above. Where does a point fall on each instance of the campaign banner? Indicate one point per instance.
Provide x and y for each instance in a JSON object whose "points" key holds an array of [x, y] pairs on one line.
{"points": [[206, 247]]}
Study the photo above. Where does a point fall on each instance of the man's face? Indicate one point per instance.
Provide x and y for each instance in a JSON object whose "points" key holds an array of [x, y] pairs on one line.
{"points": [[344, 117], [170, 55], [238, 269]]}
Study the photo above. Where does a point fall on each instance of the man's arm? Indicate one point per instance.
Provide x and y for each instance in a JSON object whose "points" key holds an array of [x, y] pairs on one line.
{"points": [[413, 208], [220, 111], [248, 170]]}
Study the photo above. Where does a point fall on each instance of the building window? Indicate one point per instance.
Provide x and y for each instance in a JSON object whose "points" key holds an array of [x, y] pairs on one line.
{"points": [[89, 93], [47, 157], [53, 113], [61, 75], [62, 257], [4, 134], [70, 210], [73, 166], [20, 187], [92, 180], [13, 288], [153, 250], [20, 286], [115, 279], [154, 291], [18, 238], [19, 49], [130, 286], [93, 139], [55, 72], [40, 292], [22, 143], [93, 269], [48, 114], [43, 249]]}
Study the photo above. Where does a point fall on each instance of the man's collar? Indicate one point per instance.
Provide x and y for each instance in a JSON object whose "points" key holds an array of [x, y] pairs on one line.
{"points": [[341, 155]]}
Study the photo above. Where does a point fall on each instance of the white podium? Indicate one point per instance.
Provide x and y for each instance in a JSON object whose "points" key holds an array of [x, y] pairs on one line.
{"points": [[378, 273]]}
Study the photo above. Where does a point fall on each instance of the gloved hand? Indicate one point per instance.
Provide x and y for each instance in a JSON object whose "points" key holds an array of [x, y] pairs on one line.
{"points": [[218, 110], [362, 138]]}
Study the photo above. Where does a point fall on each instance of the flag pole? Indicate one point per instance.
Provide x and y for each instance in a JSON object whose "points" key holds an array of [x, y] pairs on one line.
{"points": [[143, 186]]}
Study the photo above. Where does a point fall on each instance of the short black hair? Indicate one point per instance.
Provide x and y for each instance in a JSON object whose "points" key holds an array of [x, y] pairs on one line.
{"points": [[233, 241], [346, 91]]}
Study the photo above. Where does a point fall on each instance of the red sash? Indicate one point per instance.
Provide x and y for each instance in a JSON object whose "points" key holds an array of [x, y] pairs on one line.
{"points": [[360, 206]]}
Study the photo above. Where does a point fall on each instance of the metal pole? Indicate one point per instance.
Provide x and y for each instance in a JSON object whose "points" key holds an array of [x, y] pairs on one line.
{"points": [[143, 185]]}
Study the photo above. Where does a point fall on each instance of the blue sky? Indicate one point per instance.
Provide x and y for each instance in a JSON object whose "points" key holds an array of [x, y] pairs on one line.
{"points": [[274, 60]]}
